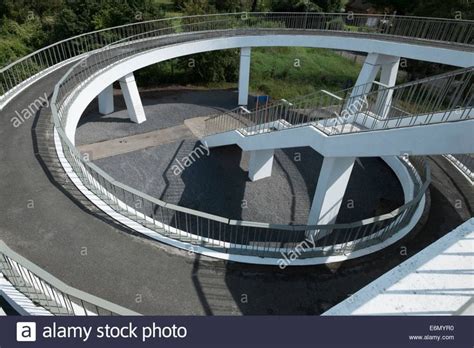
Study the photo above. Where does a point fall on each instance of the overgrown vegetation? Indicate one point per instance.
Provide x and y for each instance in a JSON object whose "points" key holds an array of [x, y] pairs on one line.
{"points": [[459, 9], [278, 72], [27, 25], [288, 72]]}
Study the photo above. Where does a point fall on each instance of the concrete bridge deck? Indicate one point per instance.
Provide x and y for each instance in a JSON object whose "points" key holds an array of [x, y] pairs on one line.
{"points": [[436, 281], [44, 218]]}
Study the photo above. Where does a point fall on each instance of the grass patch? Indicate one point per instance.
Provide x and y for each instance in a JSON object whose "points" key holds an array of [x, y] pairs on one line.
{"points": [[293, 71], [283, 72]]}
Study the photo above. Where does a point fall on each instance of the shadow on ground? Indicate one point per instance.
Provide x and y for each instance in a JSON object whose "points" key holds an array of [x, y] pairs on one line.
{"points": [[230, 288]]}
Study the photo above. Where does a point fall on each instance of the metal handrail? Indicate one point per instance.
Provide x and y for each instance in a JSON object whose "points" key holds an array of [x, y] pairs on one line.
{"points": [[49, 292], [213, 232], [210, 231], [464, 163], [363, 108], [39, 62]]}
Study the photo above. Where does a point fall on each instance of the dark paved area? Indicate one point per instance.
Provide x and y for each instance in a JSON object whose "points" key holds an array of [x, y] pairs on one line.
{"points": [[218, 184], [45, 219]]}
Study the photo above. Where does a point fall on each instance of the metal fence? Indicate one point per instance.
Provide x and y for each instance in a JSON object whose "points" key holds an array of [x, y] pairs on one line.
{"points": [[465, 163], [25, 70], [194, 227], [110, 46], [49, 292], [443, 98]]}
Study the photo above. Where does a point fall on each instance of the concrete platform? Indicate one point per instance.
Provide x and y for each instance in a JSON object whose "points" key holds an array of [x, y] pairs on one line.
{"points": [[136, 142], [439, 280]]}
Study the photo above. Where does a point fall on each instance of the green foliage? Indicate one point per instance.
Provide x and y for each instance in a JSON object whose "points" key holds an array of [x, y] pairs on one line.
{"points": [[279, 72], [219, 66], [295, 6], [16, 40], [26, 26], [193, 7], [196, 7], [308, 5], [427, 8], [290, 72]]}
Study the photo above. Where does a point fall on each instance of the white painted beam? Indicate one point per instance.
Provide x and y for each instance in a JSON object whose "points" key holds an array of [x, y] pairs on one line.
{"points": [[368, 73], [436, 281]]}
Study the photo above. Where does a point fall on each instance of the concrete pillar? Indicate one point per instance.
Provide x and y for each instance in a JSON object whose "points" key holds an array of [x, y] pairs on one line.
{"points": [[332, 182], [388, 77], [260, 164], [367, 74], [106, 100], [244, 75], [132, 98], [372, 65]]}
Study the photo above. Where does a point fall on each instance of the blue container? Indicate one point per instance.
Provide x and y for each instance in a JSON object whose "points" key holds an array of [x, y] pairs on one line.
{"points": [[263, 99]]}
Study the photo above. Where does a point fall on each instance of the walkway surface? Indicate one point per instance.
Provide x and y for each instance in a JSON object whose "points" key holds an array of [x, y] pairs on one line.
{"points": [[136, 142], [45, 219], [439, 280]]}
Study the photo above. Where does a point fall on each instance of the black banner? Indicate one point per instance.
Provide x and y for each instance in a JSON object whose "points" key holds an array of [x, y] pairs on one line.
{"points": [[258, 331]]}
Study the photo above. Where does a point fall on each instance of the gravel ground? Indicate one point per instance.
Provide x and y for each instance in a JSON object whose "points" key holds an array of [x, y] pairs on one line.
{"points": [[219, 184], [163, 108]]}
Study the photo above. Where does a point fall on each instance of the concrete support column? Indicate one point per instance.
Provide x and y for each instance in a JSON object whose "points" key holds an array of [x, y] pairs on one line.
{"points": [[106, 100], [372, 65], [388, 77], [244, 75], [260, 164], [367, 74], [332, 182], [132, 98]]}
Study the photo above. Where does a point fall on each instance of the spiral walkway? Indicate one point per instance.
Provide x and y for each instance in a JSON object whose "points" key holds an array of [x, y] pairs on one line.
{"points": [[48, 220]]}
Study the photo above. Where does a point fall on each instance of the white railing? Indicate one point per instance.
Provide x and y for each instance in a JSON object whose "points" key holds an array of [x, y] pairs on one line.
{"points": [[99, 50], [206, 230], [444, 98], [50, 293]]}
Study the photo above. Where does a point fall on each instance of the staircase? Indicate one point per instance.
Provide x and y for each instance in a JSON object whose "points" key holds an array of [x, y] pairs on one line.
{"points": [[429, 116]]}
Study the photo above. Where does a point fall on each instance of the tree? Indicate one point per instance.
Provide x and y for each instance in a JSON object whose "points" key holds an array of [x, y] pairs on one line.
{"points": [[219, 66], [295, 6], [308, 5], [196, 7], [427, 8]]}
